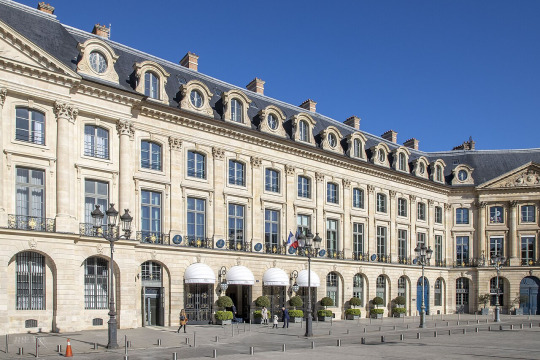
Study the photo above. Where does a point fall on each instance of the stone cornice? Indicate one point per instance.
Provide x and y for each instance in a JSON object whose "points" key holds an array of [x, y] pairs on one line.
{"points": [[101, 93]]}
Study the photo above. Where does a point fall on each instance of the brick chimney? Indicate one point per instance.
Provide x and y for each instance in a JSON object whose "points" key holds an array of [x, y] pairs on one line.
{"points": [[46, 8], [353, 121], [467, 145], [256, 85], [190, 61], [411, 143], [101, 30], [309, 105], [391, 135]]}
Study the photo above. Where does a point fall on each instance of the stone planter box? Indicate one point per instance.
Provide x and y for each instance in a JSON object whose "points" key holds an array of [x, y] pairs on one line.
{"points": [[399, 315], [484, 311], [257, 320], [223, 322], [518, 312], [296, 320], [353, 317], [325, 318], [376, 316]]}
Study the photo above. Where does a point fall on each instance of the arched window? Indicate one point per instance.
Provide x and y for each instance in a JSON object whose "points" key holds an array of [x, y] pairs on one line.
{"points": [[438, 173], [30, 125], [303, 130], [150, 155], [381, 203], [96, 271], [150, 271], [30, 279], [236, 111], [151, 85], [332, 287], [402, 162], [96, 142], [271, 182], [236, 173], [196, 165], [358, 198], [402, 287], [380, 290], [494, 289], [438, 292], [332, 195], [358, 287], [357, 146]]}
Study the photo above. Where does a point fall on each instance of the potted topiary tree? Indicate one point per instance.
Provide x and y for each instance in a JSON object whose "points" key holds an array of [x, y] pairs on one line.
{"points": [[516, 303], [484, 299], [353, 314], [399, 310], [296, 315], [224, 317], [324, 314], [377, 313], [261, 301]]}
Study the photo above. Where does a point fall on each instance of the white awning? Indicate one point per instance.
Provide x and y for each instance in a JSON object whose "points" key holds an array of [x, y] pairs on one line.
{"points": [[240, 275], [199, 273], [275, 277], [302, 279]]}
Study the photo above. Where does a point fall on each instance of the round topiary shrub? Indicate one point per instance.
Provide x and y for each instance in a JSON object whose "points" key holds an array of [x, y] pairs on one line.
{"points": [[224, 302], [355, 312], [224, 315], [355, 301], [400, 300], [257, 314], [377, 300], [325, 313], [296, 301], [262, 301], [296, 313], [399, 310], [377, 311], [326, 301]]}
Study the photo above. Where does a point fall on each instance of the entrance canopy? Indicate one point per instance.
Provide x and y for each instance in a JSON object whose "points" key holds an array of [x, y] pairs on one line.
{"points": [[275, 277], [240, 275], [302, 279], [199, 273]]}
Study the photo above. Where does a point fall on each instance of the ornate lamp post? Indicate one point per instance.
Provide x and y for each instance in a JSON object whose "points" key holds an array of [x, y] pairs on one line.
{"points": [[223, 285], [423, 255], [294, 286], [111, 234], [497, 262], [307, 243]]}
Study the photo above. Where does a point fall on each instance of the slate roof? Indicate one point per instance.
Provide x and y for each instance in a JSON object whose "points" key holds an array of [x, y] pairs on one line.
{"points": [[61, 41]]}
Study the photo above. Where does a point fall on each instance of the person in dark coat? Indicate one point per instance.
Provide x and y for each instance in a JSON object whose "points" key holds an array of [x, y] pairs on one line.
{"points": [[234, 313], [286, 317]]}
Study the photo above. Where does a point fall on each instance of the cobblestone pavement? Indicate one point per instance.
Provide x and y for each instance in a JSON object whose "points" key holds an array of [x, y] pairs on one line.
{"points": [[448, 337]]}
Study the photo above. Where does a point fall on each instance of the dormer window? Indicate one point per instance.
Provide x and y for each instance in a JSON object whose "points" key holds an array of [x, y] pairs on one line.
{"points": [[422, 168], [355, 145], [381, 155], [303, 131], [272, 122], [236, 111], [235, 107], [151, 85], [438, 173], [462, 175], [98, 62], [357, 148], [402, 161], [96, 59], [151, 80], [196, 99], [332, 141]]}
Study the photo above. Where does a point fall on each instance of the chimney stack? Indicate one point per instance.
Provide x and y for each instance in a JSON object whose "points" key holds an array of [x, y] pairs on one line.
{"points": [[309, 105], [411, 143], [101, 30], [46, 8], [391, 135], [467, 145], [353, 121], [256, 85], [190, 61]]}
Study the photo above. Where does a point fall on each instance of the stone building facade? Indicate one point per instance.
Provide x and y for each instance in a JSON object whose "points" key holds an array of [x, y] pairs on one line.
{"points": [[216, 178]]}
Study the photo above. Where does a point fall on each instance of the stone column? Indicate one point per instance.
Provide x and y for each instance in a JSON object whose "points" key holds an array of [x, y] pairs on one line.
{"points": [[414, 216], [320, 196], [481, 234], [371, 237], [448, 241], [512, 235], [65, 116], [176, 204], [392, 231], [125, 189], [257, 209], [345, 236], [430, 216], [3, 174], [290, 218], [220, 208]]}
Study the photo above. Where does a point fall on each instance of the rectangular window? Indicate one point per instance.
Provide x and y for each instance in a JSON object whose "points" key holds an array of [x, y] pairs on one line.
{"points": [[150, 214], [303, 223], [421, 238], [462, 251], [332, 193], [402, 207], [96, 142], [421, 211], [95, 193], [358, 240], [402, 246], [495, 246], [271, 228], [357, 148], [438, 214], [331, 235], [496, 215], [95, 283], [358, 198], [304, 187], [438, 292], [30, 194], [381, 203], [236, 225], [196, 165], [462, 216], [150, 155], [438, 250], [527, 250], [271, 182], [196, 218], [29, 126], [381, 242], [236, 173], [30, 278], [332, 287], [528, 213]]}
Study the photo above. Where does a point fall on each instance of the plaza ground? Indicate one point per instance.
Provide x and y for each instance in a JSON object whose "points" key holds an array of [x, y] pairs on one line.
{"points": [[457, 337]]}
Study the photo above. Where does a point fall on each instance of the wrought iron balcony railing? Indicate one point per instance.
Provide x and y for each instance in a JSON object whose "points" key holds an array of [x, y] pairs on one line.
{"points": [[236, 245], [467, 262], [153, 237], [439, 263], [275, 249], [383, 259], [86, 229], [200, 242], [360, 256], [529, 262], [31, 223], [405, 260], [335, 254]]}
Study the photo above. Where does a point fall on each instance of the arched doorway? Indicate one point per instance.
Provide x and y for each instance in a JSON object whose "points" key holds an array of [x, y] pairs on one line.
{"points": [[275, 282], [153, 294], [358, 287], [419, 295], [240, 280], [314, 283], [199, 280], [529, 287], [462, 295], [402, 290]]}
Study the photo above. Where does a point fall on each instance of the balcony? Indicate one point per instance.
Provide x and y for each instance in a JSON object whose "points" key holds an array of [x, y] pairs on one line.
{"points": [[360, 256], [153, 237], [467, 263], [238, 245], [275, 249], [31, 223], [383, 259], [334, 254], [86, 229], [439, 263], [199, 242], [530, 262], [405, 260]]}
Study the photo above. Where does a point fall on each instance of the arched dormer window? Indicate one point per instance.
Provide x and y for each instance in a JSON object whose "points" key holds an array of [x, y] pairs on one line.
{"points": [[420, 167], [437, 171], [235, 107], [97, 59], [196, 97], [271, 121], [151, 80], [401, 159], [462, 175], [302, 125], [356, 143], [379, 154], [331, 139]]}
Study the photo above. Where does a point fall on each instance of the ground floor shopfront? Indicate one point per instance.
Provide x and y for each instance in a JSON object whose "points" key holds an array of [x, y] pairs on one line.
{"points": [[60, 283]]}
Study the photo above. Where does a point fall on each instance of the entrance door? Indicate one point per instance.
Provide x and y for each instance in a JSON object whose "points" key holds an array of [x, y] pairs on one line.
{"points": [[303, 293], [153, 310], [419, 295], [241, 297], [276, 294], [198, 303], [529, 287], [462, 295]]}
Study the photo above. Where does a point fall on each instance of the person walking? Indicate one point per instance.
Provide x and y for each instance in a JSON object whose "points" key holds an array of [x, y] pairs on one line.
{"points": [[183, 320], [275, 322], [264, 314], [286, 317], [234, 313]]}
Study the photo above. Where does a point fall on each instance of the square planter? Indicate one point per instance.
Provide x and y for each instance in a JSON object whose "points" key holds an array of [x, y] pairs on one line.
{"points": [[325, 318], [518, 312], [484, 311], [257, 320], [376, 316], [223, 322], [399, 315], [353, 317], [296, 319]]}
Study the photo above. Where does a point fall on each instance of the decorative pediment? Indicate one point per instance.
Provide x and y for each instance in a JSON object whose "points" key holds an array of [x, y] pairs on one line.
{"points": [[355, 145], [271, 121], [379, 154], [331, 139], [97, 59], [420, 167], [462, 175], [527, 175]]}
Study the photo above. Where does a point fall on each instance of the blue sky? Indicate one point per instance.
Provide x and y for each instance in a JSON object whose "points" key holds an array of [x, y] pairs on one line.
{"points": [[436, 70]]}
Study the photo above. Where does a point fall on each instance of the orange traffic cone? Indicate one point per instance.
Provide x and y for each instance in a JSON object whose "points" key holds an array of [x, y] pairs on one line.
{"points": [[68, 350]]}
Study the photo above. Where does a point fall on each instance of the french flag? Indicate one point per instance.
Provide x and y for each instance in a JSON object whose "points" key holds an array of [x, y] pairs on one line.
{"points": [[292, 240]]}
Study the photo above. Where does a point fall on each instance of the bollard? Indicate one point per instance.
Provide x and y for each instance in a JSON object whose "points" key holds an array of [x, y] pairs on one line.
{"points": [[407, 326], [449, 332], [364, 330], [217, 338], [464, 331], [7, 341], [214, 354], [401, 337], [59, 348], [521, 326], [467, 322], [435, 324], [530, 325], [313, 344], [158, 342], [418, 335], [363, 340], [458, 323], [369, 321], [475, 329], [338, 343], [174, 356], [195, 339], [394, 327], [382, 338], [511, 327], [500, 327], [434, 334], [251, 350], [379, 328], [187, 341], [37, 347], [478, 321], [329, 332], [489, 329], [447, 323], [21, 351], [283, 348], [126, 357], [125, 345]]}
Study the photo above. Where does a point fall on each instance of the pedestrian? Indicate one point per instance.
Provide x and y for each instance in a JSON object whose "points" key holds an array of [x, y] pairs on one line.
{"points": [[286, 317], [264, 314], [183, 320], [275, 321], [234, 313]]}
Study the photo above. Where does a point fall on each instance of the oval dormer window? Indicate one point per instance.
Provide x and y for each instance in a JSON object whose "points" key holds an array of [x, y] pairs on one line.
{"points": [[98, 62], [272, 122], [422, 168], [196, 99], [462, 175], [332, 141], [381, 155]]}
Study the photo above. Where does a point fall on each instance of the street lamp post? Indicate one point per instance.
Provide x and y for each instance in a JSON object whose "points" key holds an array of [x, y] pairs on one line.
{"points": [[423, 255], [112, 235], [497, 262], [307, 243]]}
